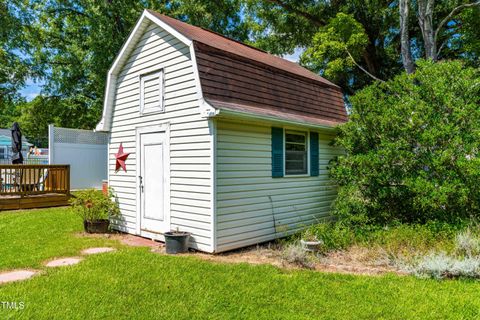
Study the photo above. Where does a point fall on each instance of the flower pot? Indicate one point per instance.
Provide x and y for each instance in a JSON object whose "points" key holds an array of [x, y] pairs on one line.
{"points": [[96, 226], [176, 242], [311, 246]]}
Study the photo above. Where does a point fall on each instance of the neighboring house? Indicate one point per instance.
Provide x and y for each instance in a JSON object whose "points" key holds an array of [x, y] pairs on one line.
{"points": [[6, 146], [227, 142]]}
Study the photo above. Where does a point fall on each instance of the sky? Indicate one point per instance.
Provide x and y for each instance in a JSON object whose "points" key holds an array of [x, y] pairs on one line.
{"points": [[32, 88], [295, 57]]}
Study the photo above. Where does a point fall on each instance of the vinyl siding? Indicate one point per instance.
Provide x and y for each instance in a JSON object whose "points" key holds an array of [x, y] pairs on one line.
{"points": [[253, 207], [190, 140]]}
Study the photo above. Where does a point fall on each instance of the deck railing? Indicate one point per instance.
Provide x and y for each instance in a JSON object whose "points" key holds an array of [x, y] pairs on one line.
{"points": [[34, 179]]}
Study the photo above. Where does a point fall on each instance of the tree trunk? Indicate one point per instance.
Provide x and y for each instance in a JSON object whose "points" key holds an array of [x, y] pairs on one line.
{"points": [[404, 38], [425, 21]]}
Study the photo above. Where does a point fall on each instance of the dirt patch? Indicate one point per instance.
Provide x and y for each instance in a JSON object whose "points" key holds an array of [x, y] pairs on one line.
{"points": [[356, 260], [261, 254]]}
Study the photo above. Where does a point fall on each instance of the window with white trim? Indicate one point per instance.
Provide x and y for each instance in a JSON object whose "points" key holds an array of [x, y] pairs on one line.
{"points": [[296, 152], [152, 92]]}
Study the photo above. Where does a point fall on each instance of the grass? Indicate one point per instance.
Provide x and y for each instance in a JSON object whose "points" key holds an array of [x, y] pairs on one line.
{"points": [[134, 283], [30, 237]]}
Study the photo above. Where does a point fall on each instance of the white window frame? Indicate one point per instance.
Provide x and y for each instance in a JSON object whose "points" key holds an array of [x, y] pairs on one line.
{"points": [[307, 146], [148, 76]]}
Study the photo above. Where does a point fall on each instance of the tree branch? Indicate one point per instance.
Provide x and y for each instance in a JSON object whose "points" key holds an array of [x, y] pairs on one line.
{"points": [[441, 47], [406, 52], [450, 15], [362, 68], [315, 20]]}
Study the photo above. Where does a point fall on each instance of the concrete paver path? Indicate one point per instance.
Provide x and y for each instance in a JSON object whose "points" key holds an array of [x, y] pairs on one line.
{"points": [[16, 275], [63, 262]]}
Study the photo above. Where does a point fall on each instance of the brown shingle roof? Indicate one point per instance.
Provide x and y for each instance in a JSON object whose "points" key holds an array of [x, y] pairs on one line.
{"points": [[223, 43], [232, 73]]}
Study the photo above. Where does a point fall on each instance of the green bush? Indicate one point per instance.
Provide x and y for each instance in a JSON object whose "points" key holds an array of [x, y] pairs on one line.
{"points": [[412, 239], [333, 235], [93, 205], [412, 147], [462, 262], [399, 239]]}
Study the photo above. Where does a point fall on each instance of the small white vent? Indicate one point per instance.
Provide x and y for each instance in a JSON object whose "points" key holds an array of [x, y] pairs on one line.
{"points": [[151, 92]]}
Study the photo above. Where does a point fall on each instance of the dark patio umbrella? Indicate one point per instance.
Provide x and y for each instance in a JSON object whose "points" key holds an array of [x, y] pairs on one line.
{"points": [[17, 157]]}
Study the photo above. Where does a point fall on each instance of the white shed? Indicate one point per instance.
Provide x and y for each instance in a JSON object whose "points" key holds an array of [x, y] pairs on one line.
{"points": [[227, 142]]}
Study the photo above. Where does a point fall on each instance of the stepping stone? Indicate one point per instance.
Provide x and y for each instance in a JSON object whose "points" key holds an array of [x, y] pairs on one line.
{"points": [[97, 250], [63, 262], [16, 275]]}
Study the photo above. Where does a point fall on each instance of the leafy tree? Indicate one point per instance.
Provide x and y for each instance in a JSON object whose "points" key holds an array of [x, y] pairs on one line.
{"points": [[13, 67], [8, 112], [466, 43], [35, 116], [431, 34], [412, 147], [280, 26], [75, 42], [336, 47]]}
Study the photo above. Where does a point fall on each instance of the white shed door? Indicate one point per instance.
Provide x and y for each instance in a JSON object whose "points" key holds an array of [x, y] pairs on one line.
{"points": [[152, 183]]}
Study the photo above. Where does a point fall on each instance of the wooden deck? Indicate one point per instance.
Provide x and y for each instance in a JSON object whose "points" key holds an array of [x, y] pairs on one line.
{"points": [[16, 202], [34, 186]]}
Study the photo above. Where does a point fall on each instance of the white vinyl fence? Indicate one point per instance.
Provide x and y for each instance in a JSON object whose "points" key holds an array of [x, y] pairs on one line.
{"points": [[84, 150]]}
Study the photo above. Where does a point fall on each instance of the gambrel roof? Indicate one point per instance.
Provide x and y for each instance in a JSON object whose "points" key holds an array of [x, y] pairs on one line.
{"points": [[237, 78]]}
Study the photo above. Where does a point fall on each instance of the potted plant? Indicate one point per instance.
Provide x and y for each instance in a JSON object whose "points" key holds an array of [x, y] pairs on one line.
{"points": [[310, 242], [176, 241], [95, 209]]}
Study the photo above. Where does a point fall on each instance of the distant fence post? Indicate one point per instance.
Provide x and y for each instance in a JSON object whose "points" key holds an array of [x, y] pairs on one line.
{"points": [[51, 142]]}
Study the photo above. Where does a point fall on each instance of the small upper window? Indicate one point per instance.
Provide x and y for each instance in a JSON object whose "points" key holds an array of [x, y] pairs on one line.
{"points": [[3, 152], [151, 92], [296, 153]]}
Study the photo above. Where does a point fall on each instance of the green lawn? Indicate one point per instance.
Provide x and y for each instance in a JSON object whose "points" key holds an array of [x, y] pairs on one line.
{"points": [[134, 283], [29, 237]]}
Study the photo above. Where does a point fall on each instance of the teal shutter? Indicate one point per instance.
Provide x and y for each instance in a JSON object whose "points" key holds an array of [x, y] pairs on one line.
{"points": [[277, 152], [314, 170]]}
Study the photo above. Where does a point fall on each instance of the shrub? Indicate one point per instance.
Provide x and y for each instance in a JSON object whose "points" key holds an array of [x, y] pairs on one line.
{"points": [[412, 147], [93, 205], [441, 266], [333, 235], [294, 254], [467, 244], [398, 239], [433, 266], [408, 240], [463, 262]]}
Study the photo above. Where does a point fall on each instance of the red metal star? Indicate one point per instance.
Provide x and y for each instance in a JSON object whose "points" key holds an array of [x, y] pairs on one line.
{"points": [[121, 157]]}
